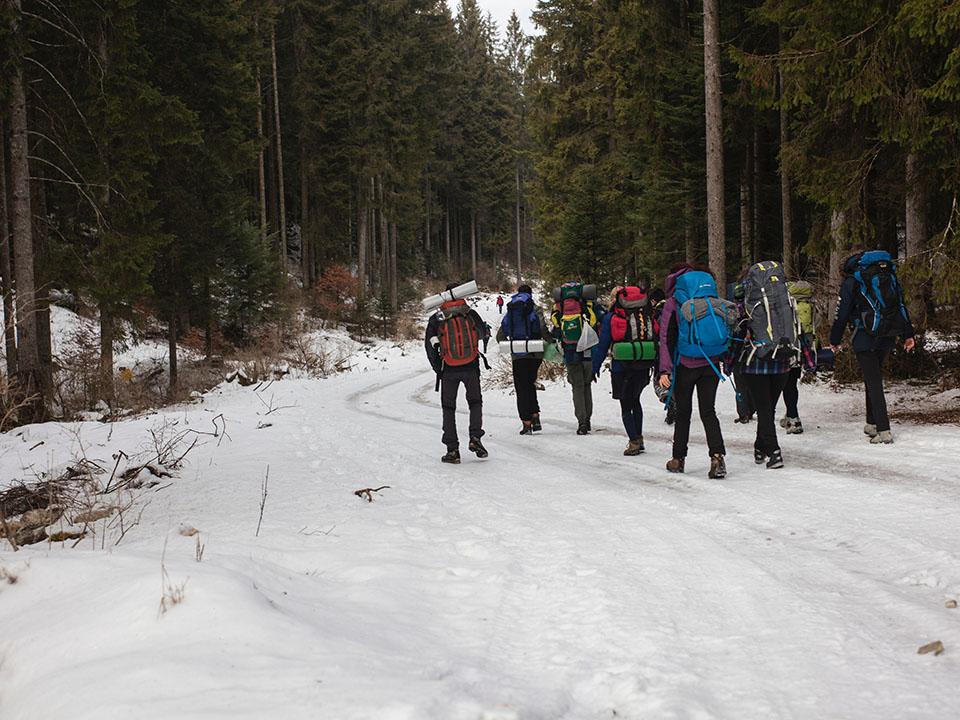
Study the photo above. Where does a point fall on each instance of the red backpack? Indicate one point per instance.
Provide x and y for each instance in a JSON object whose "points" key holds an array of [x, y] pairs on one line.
{"points": [[459, 339], [632, 319]]}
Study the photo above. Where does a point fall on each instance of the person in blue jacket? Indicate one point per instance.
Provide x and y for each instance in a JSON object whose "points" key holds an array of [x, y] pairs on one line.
{"points": [[628, 380], [871, 350]]}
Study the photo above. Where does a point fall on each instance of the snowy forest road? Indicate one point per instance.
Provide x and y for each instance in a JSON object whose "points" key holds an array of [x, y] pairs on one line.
{"points": [[555, 580]]}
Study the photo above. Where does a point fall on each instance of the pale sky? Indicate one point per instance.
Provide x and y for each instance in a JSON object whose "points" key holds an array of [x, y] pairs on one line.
{"points": [[501, 10]]}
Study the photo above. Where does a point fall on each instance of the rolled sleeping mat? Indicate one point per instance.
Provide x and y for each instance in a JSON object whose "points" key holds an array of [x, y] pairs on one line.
{"points": [[636, 350], [458, 293], [521, 347], [589, 293]]}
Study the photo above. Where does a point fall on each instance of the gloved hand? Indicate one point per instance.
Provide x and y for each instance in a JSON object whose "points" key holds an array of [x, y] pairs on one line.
{"points": [[596, 376]]}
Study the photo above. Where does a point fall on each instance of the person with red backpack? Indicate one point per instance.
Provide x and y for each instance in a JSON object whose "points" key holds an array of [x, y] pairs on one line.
{"points": [[871, 301], [453, 338], [500, 304], [629, 333], [522, 323]]}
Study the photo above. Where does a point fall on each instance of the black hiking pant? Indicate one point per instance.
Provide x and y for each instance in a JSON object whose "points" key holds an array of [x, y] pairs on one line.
{"points": [[705, 381], [525, 371], [765, 391], [449, 387], [871, 366], [791, 392], [627, 386], [745, 406]]}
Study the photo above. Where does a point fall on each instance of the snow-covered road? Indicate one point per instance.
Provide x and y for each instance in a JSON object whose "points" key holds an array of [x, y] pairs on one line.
{"points": [[557, 579]]}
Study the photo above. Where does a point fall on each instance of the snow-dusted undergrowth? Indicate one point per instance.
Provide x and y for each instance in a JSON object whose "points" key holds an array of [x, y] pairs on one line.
{"points": [[557, 579]]}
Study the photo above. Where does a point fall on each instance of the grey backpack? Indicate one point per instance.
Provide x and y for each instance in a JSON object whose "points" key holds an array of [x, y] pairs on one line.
{"points": [[771, 312]]}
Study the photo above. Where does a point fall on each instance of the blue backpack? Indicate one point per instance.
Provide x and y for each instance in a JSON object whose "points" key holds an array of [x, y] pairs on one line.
{"points": [[521, 321], [702, 316], [876, 276]]}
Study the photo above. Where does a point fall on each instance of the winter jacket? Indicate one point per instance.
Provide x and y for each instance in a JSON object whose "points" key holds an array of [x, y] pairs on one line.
{"points": [[669, 324], [606, 342], [850, 307], [431, 340], [544, 330]]}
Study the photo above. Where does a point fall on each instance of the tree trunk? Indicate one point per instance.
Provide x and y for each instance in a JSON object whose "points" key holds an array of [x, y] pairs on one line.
{"points": [[282, 229], [362, 215], [916, 229], [746, 234], [786, 203], [208, 319], [41, 262], [383, 266], [305, 227], [519, 252], [714, 122], [446, 232], [28, 356], [261, 142], [837, 244], [755, 194], [426, 236], [394, 284], [106, 355], [689, 236], [473, 244], [172, 352], [10, 325]]}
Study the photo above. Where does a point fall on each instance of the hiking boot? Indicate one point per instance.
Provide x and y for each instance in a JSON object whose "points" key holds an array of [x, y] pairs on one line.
{"points": [[675, 465], [535, 422], [634, 447], [527, 428], [776, 460], [589, 426], [583, 429], [759, 457], [744, 419], [452, 457], [784, 422], [795, 427], [870, 429], [718, 468], [883, 436], [477, 447], [671, 416]]}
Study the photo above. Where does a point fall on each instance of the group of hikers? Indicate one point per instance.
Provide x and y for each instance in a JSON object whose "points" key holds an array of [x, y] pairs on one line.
{"points": [[760, 335]]}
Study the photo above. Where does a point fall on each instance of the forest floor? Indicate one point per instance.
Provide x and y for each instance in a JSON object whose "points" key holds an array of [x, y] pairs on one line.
{"points": [[556, 579]]}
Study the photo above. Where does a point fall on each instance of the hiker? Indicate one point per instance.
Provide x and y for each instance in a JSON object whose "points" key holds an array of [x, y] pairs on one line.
{"points": [[500, 304], [765, 345], [694, 334], [524, 322], [658, 298], [745, 406], [802, 293], [628, 333], [575, 319], [452, 342], [871, 301]]}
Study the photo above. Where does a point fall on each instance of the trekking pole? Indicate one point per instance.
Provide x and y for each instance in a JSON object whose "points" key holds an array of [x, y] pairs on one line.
{"points": [[436, 388]]}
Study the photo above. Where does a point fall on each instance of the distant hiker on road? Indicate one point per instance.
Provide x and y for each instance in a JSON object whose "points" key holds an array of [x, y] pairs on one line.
{"points": [[745, 406], [658, 298], [871, 301], [524, 322], [694, 335], [452, 342], [500, 304], [576, 318], [765, 346]]}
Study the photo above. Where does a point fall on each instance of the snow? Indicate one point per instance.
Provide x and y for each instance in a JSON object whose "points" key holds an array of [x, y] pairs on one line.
{"points": [[557, 579]]}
